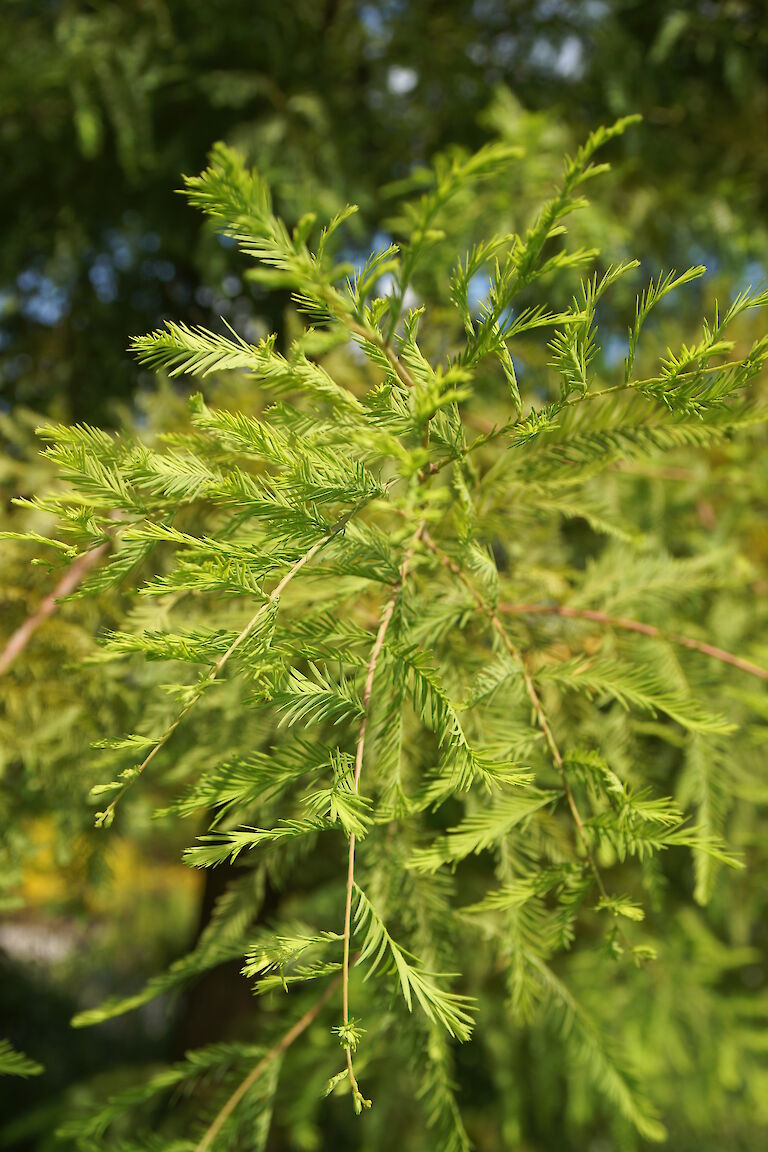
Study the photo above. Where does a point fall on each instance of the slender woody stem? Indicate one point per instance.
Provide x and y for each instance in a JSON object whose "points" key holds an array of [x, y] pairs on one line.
{"points": [[533, 696], [629, 625], [293, 1033], [492, 431], [375, 337], [69, 581], [386, 619]]}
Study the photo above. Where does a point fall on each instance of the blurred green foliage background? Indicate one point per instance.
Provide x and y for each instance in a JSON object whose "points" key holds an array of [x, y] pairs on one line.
{"points": [[102, 106]]}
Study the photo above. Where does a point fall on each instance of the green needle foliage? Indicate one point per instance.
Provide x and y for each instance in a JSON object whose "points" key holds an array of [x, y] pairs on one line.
{"points": [[490, 790], [13, 1063]]}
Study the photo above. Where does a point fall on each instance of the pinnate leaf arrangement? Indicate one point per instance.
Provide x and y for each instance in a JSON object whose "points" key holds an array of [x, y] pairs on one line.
{"points": [[452, 792]]}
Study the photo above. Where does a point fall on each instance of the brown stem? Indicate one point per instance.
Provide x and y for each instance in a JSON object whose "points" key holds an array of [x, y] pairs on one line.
{"points": [[374, 337], [541, 715], [629, 625], [69, 581], [277, 1050], [533, 696], [359, 754]]}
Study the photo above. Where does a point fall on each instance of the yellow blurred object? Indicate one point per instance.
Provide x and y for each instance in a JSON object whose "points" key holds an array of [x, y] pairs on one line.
{"points": [[129, 873]]}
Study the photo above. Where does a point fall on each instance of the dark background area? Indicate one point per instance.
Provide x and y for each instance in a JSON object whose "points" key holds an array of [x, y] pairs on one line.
{"points": [[104, 105]]}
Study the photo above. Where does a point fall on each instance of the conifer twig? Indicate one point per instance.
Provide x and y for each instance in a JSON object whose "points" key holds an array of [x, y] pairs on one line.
{"points": [[533, 696], [629, 625], [491, 432], [274, 1052], [386, 619], [105, 818], [375, 338], [73, 575]]}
